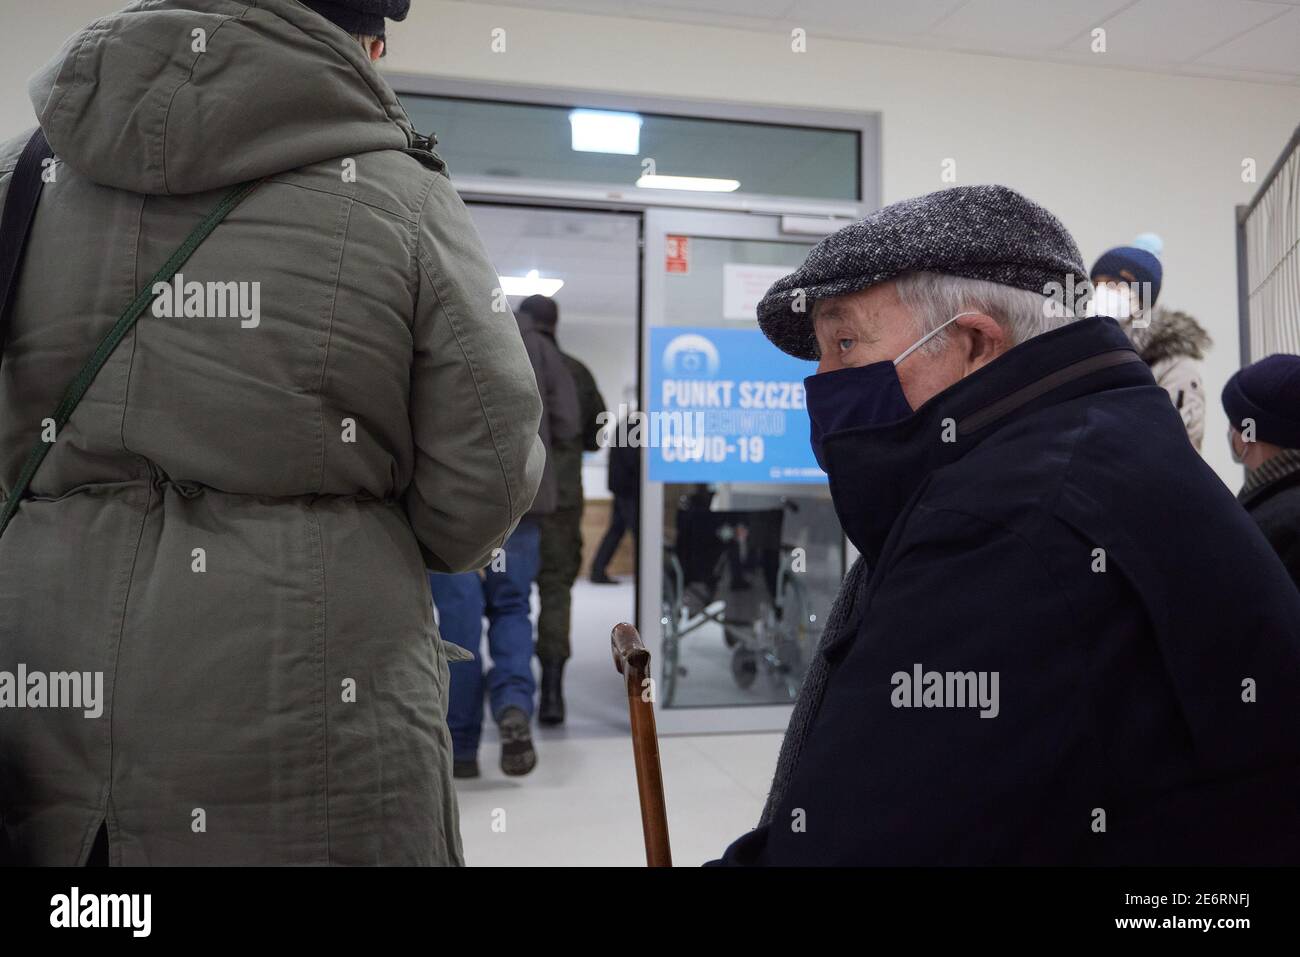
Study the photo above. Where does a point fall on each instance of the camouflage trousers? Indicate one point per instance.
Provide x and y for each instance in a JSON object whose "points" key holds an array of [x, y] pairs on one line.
{"points": [[561, 558]]}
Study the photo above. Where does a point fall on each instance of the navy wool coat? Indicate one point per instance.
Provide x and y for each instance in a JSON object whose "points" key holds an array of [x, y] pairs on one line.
{"points": [[1044, 520]]}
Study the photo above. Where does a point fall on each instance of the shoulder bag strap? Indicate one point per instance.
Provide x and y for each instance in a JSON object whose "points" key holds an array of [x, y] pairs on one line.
{"points": [[133, 311]]}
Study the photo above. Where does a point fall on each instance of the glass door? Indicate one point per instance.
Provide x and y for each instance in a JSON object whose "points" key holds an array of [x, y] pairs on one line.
{"points": [[740, 552]]}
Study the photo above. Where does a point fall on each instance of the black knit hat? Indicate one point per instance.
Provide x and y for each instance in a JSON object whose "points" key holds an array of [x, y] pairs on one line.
{"points": [[542, 310], [1267, 391], [979, 232], [362, 17]]}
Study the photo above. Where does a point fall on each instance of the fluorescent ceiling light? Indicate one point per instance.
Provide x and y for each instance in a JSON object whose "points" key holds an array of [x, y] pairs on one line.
{"points": [[701, 184], [531, 285], [604, 131]]}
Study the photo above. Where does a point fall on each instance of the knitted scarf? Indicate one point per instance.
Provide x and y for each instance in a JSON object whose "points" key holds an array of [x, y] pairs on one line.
{"points": [[1279, 466], [814, 686]]}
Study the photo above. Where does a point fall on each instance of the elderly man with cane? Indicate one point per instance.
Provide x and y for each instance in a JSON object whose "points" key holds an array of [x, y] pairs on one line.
{"points": [[1064, 642]]}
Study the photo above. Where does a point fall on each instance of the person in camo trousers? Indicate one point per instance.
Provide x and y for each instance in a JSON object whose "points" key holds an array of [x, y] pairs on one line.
{"points": [[503, 594], [561, 545]]}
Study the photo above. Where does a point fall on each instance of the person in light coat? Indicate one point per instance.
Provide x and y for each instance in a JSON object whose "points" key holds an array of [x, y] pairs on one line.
{"points": [[1171, 342]]}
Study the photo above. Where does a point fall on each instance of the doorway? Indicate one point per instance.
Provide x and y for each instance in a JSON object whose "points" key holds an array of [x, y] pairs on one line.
{"points": [[665, 221], [589, 262], [741, 552]]}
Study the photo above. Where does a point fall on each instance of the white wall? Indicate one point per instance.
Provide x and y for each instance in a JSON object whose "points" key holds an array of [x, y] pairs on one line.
{"points": [[1112, 152]]}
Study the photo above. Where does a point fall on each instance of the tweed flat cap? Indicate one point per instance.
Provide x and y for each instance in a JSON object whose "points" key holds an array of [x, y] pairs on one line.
{"points": [[979, 232]]}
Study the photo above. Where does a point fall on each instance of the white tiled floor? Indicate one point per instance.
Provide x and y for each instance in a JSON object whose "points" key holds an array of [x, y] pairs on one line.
{"points": [[579, 807]]}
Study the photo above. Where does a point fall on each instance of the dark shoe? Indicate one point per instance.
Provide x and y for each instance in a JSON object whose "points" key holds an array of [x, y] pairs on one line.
{"points": [[602, 579], [517, 754], [550, 706], [464, 768]]}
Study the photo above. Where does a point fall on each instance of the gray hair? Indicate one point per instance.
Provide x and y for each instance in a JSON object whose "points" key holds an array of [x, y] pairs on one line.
{"points": [[934, 298]]}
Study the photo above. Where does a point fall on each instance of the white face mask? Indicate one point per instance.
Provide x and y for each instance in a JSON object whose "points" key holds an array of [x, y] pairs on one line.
{"points": [[1111, 300], [1238, 457]]}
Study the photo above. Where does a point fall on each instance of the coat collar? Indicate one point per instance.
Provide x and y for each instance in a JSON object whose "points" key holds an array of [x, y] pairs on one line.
{"points": [[875, 471], [1278, 473]]}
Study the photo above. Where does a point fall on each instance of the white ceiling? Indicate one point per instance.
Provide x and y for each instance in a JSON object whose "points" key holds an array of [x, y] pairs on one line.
{"points": [[1257, 40], [595, 253]]}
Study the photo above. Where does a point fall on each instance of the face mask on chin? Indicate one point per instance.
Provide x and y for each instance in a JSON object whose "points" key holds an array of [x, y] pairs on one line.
{"points": [[862, 396]]}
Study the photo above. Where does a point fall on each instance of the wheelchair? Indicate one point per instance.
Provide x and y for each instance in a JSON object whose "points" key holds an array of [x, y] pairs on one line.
{"points": [[730, 568]]}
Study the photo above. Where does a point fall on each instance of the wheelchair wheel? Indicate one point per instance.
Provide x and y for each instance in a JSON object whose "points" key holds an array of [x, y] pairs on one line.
{"points": [[669, 671], [744, 668], [670, 619], [791, 634]]}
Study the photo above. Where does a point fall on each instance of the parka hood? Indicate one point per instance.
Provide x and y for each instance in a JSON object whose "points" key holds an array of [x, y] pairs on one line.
{"points": [[184, 96], [1168, 335]]}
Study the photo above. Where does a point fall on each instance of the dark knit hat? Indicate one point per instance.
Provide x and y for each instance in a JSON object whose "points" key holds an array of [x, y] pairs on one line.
{"points": [[978, 232], [542, 310], [1130, 264], [362, 17], [1267, 391]]}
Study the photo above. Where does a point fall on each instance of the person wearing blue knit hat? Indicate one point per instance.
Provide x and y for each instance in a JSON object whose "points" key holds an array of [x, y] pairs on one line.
{"points": [[1134, 271], [1127, 282], [1263, 405]]}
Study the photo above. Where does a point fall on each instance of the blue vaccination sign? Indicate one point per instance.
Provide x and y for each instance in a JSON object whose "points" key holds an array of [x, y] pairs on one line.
{"points": [[726, 406]]}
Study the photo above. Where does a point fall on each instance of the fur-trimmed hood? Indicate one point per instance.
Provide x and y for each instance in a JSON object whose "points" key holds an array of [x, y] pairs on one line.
{"points": [[1170, 334]]}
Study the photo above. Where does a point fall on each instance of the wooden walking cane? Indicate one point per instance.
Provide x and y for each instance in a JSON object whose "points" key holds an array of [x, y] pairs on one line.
{"points": [[633, 663]]}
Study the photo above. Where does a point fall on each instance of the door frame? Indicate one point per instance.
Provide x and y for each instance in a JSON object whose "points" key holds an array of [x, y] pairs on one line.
{"points": [[865, 124], [658, 225], [720, 215], [639, 323]]}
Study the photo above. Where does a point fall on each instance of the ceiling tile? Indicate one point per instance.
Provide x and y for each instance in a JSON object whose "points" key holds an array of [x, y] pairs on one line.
{"points": [[1237, 73], [1028, 25], [760, 9], [1174, 31], [1254, 40], [1274, 46], [612, 8], [885, 19]]}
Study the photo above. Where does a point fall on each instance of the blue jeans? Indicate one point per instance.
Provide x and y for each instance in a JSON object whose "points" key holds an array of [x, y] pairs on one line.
{"points": [[505, 597]]}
